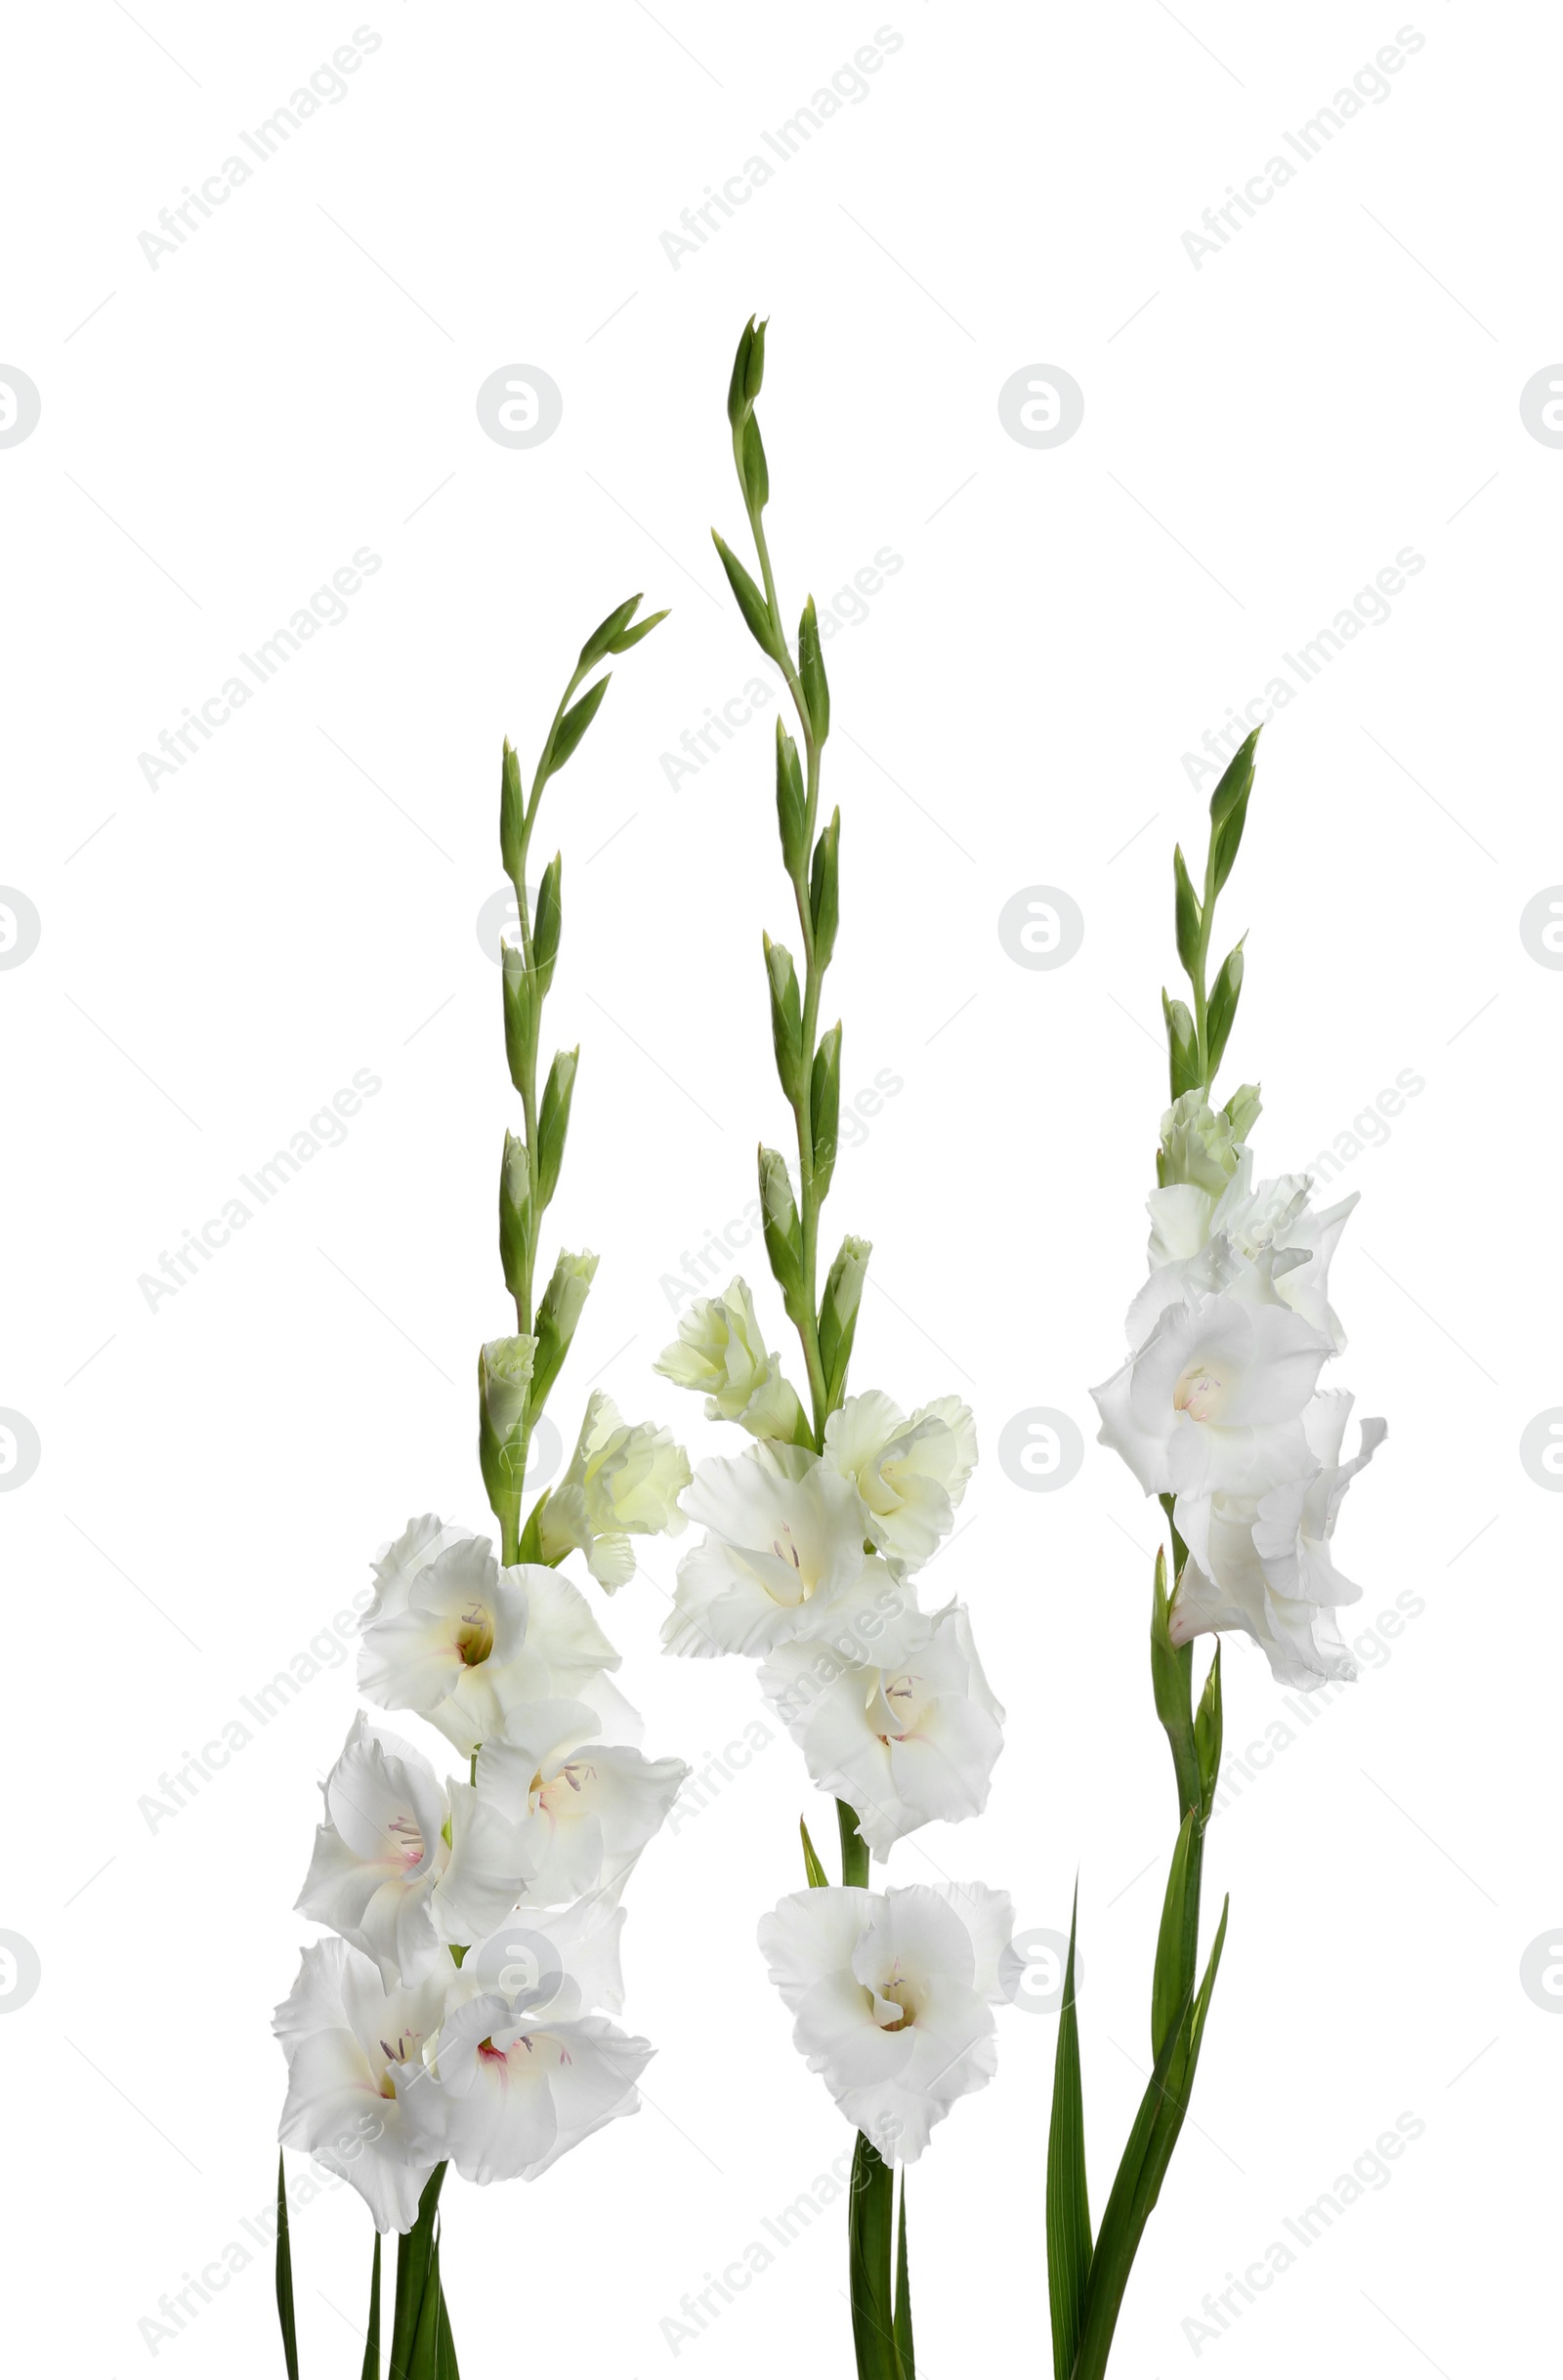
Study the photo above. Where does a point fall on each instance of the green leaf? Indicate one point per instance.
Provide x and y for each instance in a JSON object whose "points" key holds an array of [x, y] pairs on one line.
{"points": [[514, 1216], [751, 602], [415, 2251], [853, 1849], [512, 815], [1069, 2208], [757, 475], [824, 892], [786, 1018], [553, 1122], [1172, 1685], [1183, 1046], [642, 628], [784, 1230], [811, 670], [1120, 2235], [546, 927], [1186, 909], [1174, 1956], [576, 722], [789, 801], [824, 1108], [812, 1865], [604, 638], [1235, 782], [434, 2325], [838, 1314], [1207, 1734], [749, 373], [284, 2276], [1143, 2169], [901, 2328], [520, 1009], [1226, 838], [371, 2337], [870, 2239], [1223, 1007]]}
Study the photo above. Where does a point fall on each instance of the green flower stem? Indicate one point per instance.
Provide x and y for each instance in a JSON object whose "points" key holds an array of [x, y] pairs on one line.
{"points": [[810, 1202], [528, 1087], [1201, 1004]]}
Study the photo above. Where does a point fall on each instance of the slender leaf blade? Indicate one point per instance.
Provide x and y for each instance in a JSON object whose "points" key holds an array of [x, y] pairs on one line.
{"points": [[1068, 2211], [870, 2239], [812, 1864], [284, 2274], [371, 2337], [901, 2328], [576, 722]]}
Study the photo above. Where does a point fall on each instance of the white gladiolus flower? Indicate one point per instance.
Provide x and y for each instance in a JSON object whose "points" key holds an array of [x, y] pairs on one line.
{"points": [[1212, 1403], [343, 2035], [784, 1557], [555, 1962], [892, 1994], [515, 2091], [903, 1744], [461, 1641], [584, 1810], [399, 1563], [910, 1473], [625, 1480], [720, 1350], [403, 1865], [1250, 1221], [1264, 1564], [455, 1613]]}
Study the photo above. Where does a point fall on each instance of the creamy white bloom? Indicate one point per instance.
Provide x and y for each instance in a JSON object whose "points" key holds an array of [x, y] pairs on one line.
{"points": [[1212, 1403], [1264, 1565], [461, 1641], [584, 1809], [911, 1473], [720, 1350], [625, 1480], [396, 1564], [457, 1612], [515, 2091], [1249, 1222], [552, 1962], [784, 1557], [893, 1994], [902, 1743], [403, 1865], [343, 2035]]}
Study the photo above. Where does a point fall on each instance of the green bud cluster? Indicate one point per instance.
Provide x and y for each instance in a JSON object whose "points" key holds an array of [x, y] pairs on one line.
{"points": [[808, 1060], [515, 1374]]}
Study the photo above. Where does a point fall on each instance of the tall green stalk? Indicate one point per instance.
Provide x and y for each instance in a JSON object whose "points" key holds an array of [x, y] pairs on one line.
{"points": [[808, 1066], [1086, 2282]]}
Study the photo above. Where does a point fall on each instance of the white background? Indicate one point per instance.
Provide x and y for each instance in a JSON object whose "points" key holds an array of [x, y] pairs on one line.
{"points": [[222, 951]]}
